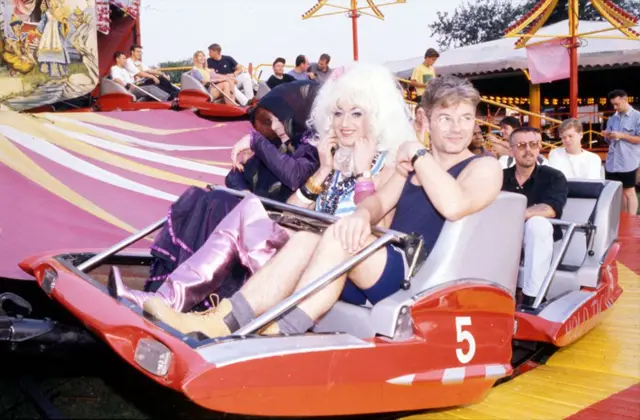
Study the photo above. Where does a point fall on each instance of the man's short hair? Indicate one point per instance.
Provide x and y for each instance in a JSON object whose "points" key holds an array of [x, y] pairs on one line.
{"points": [[215, 47], [448, 91], [301, 59], [134, 47], [571, 123], [279, 60], [524, 129], [325, 57], [512, 122], [617, 93], [431, 52], [118, 54]]}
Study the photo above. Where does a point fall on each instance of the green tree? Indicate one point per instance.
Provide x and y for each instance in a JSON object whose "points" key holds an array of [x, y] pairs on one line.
{"points": [[175, 74], [485, 20]]}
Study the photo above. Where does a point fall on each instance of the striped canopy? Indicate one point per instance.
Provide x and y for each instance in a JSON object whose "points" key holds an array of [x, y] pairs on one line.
{"points": [[87, 180]]}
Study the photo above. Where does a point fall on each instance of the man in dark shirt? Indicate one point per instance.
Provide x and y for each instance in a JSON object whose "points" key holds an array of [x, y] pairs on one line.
{"points": [[546, 191], [226, 66], [279, 77]]}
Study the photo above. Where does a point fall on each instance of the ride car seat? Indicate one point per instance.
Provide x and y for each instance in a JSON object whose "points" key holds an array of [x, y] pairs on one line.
{"points": [[479, 246], [188, 82], [588, 201]]}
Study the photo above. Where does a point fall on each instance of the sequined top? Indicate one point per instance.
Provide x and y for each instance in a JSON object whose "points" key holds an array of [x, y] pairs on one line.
{"points": [[338, 195]]}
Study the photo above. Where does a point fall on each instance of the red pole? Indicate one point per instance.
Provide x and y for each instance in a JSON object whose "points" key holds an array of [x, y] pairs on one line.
{"points": [[354, 29], [573, 58], [573, 78]]}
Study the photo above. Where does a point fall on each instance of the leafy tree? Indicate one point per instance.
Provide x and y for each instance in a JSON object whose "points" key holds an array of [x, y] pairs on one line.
{"points": [[175, 74], [479, 21]]}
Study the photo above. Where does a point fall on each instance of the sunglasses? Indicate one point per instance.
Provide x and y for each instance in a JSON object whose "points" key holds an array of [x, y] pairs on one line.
{"points": [[533, 145]]}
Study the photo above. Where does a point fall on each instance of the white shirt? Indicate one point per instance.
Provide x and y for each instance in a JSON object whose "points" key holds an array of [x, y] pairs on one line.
{"points": [[585, 165], [122, 74], [135, 67], [508, 161]]}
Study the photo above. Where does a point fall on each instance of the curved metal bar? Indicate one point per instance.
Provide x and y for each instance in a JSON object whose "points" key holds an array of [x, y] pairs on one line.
{"points": [[98, 258]]}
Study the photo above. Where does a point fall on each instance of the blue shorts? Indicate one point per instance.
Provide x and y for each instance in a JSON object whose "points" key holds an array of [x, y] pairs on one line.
{"points": [[389, 282]]}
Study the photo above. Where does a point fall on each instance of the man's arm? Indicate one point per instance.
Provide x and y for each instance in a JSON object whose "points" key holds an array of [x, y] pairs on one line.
{"points": [[474, 189], [553, 201], [377, 206]]}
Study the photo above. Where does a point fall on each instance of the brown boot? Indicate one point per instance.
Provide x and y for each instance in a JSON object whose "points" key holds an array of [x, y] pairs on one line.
{"points": [[211, 322]]}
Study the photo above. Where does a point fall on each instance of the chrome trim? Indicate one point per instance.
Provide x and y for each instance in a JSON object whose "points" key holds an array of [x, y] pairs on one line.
{"points": [[238, 351], [560, 310], [101, 256], [312, 287]]}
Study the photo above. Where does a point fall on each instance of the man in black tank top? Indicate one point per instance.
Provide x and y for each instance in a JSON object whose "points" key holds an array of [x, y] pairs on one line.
{"points": [[448, 183]]}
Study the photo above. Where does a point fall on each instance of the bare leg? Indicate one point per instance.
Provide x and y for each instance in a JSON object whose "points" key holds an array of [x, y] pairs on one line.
{"points": [[630, 201], [330, 253], [278, 278]]}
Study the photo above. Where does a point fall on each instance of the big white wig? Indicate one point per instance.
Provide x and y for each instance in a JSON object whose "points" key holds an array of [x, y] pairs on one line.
{"points": [[372, 88]]}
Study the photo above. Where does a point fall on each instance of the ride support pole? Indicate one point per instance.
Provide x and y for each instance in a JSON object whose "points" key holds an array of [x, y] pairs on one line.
{"points": [[354, 29]]}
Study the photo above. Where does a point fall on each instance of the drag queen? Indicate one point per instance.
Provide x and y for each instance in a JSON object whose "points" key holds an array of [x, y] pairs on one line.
{"points": [[358, 129]]}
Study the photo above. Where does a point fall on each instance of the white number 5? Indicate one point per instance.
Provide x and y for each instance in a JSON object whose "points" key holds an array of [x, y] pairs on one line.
{"points": [[461, 336]]}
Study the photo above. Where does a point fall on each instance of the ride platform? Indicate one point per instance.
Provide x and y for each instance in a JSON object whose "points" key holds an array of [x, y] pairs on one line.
{"points": [[596, 377]]}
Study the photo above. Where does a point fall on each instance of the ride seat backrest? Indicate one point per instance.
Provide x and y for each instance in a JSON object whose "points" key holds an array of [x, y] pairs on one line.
{"points": [[263, 89], [479, 246], [580, 208], [108, 86], [188, 82]]}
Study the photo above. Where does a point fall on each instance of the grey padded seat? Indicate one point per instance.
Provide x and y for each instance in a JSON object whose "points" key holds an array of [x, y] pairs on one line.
{"points": [[479, 246], [188, 82], [600, 201], [108, 86]]}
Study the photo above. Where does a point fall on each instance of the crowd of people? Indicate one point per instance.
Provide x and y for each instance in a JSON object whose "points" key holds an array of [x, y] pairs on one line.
{"points": [[329, 142]]}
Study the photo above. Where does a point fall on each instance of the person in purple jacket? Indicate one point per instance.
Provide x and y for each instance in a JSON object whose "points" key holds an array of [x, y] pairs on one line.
{"points": [[281, 161]]}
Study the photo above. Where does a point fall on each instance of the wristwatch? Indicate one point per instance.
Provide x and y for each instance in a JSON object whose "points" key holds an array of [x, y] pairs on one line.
{"points": [[418, 155]]}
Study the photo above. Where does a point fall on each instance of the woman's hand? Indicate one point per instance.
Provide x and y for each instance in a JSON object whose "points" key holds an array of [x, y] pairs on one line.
{"points": [[325, 153], [242, 145], [363, 154]]}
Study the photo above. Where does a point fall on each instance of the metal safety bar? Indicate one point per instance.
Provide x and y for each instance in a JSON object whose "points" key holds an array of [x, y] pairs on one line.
{"points": [[566, 240], [101, 256], [315, 285], [301, 211]]}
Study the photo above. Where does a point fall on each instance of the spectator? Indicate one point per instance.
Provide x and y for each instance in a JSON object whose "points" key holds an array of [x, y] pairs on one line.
{"points": [[500, 145], [477, 143], [320, 71], [225, 65], [279, 77], [572, 160], [623, 158], [546, 191], [300, 71], [424, 72], [145, 75]]}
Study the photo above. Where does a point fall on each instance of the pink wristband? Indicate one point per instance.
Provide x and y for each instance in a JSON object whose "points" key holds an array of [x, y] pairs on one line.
{"points": [[361, 195], [365, 186]]}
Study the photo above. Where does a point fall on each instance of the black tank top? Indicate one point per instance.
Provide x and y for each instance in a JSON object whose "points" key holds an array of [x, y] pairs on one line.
{"points": [[416, 214]]}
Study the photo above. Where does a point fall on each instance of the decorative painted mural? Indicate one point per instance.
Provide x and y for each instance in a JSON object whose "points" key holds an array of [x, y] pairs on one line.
{"points": [[48, 51]]}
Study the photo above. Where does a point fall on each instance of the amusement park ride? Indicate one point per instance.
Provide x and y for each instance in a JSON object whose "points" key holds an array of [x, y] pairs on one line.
{"points": [[445, 339]]}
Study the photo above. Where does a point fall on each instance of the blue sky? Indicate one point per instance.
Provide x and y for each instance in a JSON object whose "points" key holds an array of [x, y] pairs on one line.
{"points": [[259, 30]]}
